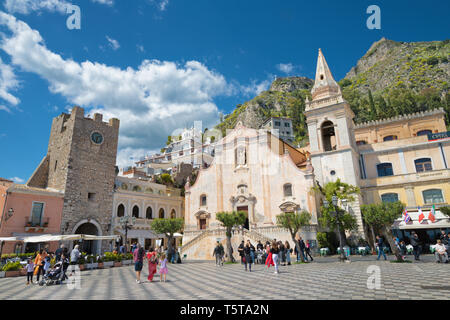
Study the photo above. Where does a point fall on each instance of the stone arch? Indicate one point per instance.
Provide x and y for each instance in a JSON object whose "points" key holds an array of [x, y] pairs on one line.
{"points": [[135, 211], [161, 213], [120, 210], [149, 213], [173, 214], [328, 136], [92, 227]]}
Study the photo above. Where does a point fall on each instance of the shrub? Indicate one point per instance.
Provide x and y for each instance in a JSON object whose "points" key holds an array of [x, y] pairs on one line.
{"points": [[322, 240], [12, 266], [432, 61]]}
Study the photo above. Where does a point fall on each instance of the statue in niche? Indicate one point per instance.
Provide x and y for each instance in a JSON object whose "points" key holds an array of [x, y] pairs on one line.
{"points": [[241, 156]]}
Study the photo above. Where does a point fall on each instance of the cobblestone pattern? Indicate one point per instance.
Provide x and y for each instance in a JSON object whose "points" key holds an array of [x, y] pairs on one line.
{"points": [[322, 279]]}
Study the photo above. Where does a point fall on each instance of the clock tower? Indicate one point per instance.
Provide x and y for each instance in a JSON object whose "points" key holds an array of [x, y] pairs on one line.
{"points": [[80, 161], [331, 134]]}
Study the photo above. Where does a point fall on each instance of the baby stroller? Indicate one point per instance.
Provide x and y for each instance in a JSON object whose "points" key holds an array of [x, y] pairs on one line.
{"points": [[260, 259], [56, 275]]}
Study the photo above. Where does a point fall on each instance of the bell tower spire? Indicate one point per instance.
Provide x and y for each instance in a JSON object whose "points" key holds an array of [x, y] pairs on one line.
{"points": [[325, 86]]}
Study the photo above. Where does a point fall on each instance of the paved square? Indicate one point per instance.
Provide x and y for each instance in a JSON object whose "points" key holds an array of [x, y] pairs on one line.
{"points": [[323, 279]]}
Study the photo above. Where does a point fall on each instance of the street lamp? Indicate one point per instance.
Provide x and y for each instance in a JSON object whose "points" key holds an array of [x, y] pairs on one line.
{"points": [[334, 202], [9, 214], [127, 223]]}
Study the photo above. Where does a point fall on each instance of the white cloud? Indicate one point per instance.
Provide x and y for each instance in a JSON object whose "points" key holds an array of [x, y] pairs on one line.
{"points": [[114, 44], [8, 82], [140, 48], [160, 4], [17, 180], [107, 2], [256, 87], [285, 67], [28, 6], [151, 101]]}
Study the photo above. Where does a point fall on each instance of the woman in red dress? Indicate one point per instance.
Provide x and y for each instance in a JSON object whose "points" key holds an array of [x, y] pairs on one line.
{"points": [[152, 263], [269, 260]]}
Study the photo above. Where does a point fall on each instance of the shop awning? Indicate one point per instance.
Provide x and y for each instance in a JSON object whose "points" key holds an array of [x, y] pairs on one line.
{"points": [[62, 237]]}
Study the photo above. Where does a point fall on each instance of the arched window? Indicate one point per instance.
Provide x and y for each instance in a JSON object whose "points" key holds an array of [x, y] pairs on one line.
{"points": [[203, 200], [328, 136], [385, 169], [135, 211], [423, 164], [390, 138], [389, 197], [149, 213], [137, 188], [424, 132], [120, 210], [287, 190], [149, 190], [431, 196], [124, 187], [173, 214], [161, 213], [361, 142]]}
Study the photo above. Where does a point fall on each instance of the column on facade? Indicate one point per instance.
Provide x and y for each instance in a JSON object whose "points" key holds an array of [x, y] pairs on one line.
{"points": [[410, 198]]}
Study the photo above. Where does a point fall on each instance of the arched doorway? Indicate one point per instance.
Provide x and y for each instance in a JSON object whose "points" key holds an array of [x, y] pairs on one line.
{"points": [[88, 246]]}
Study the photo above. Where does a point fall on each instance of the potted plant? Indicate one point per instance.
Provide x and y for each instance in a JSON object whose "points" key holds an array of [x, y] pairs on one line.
{"points": [[108, 260], [12, 269], [100, 262], [128, 259], [118, 260], [29, 224], [91, 262], [81, 263]]}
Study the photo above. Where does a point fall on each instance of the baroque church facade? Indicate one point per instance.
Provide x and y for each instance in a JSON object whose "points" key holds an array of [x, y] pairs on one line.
{"points": [[399, 159]]}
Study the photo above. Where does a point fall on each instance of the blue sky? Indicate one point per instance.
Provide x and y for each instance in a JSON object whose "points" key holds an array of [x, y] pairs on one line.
{"points": [[159, 65]]}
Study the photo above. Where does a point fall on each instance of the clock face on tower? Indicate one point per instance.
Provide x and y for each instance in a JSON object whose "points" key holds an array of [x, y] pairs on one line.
{"points": [[97, 137]]}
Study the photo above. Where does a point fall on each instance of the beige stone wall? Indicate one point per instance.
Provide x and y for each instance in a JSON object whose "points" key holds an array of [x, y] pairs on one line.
{"points": [[77, 166], [258, 184]]}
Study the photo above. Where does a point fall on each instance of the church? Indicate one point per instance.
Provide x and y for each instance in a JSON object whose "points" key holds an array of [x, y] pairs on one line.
{"points": [[404, 158]]}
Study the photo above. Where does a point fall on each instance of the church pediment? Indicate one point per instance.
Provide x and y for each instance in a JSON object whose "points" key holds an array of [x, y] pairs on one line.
{"points": [[289, 206], [202, 214]]}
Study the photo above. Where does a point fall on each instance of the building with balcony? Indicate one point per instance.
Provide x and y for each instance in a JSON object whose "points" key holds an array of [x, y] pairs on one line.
{"points": [[280, 127], [27, 211], [405, 158], [145, 201]]}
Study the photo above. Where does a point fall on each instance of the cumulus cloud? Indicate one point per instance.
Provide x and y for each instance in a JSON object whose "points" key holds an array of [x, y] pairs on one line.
{"points": [[286, 67], [151, 101], [17, 180], [114, 44], [256, 87], [8, 82], [28, 6]]}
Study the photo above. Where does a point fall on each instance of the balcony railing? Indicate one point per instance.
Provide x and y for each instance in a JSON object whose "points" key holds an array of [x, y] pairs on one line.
{"points": [[31, 226]]}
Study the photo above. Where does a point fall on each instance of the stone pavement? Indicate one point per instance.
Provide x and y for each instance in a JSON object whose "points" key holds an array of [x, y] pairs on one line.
{"points": [[325, 278]]}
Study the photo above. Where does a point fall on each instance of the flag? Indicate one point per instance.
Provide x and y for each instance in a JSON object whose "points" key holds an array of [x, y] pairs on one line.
{"points": [[421, 215], [432, 214], [406, 216]]}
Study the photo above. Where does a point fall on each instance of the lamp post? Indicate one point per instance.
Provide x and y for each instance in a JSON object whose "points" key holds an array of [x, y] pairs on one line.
{"points": [[127, 223], [334, 202]]}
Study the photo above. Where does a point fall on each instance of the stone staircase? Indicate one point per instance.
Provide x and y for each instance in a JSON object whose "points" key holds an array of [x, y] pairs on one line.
{"points": [[195, 240], [256, 236]]}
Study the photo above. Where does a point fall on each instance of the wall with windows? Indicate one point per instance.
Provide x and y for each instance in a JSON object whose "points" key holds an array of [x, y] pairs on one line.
{"points": [[48, 208], [440, 195]]}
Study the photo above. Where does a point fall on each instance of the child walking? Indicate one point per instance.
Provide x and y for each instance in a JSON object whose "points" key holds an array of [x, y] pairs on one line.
{"points": [[163, 267], [30, 269]]}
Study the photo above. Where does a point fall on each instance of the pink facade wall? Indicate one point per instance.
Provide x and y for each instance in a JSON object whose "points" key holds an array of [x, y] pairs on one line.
{"points": [[22, 205]]}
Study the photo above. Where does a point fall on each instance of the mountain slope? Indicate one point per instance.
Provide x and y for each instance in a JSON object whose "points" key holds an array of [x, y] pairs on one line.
{"points": [[392, 78]]}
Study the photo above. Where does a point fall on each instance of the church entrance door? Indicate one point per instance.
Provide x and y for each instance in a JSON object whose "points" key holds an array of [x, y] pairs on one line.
{"points": [[244, 209]]}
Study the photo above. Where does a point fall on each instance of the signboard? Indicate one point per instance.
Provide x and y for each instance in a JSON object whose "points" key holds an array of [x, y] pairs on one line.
{"points": [[158, 242], [438, 136]]}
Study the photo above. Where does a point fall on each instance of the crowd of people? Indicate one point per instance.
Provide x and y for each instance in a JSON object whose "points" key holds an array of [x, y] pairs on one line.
{"points": [[441, 249], [273, 253]]}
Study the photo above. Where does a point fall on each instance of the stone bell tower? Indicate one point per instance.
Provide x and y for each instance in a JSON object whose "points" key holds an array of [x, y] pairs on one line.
{"points": [[80, 161], [331, 134]]}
